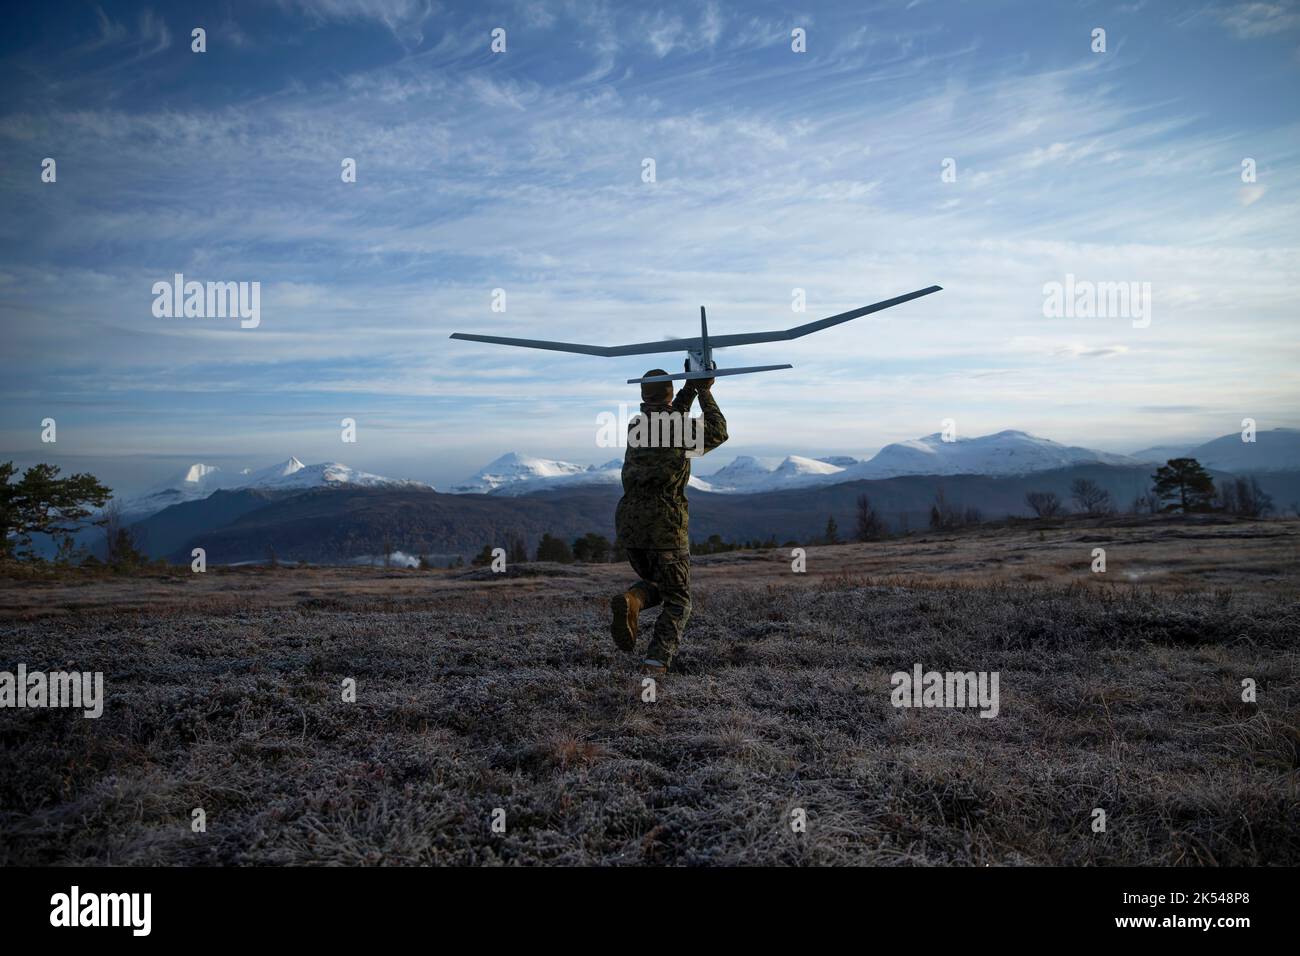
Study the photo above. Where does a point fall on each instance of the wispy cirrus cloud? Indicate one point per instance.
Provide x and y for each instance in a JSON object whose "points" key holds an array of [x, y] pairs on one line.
{"points": [[1253, 20], [775, 171], [405, 19]]}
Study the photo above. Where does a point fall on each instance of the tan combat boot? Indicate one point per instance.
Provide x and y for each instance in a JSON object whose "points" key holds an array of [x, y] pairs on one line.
{"points": [[626, 607]]}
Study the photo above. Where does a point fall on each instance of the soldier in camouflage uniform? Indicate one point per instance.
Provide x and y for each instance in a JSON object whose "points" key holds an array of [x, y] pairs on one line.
{"points": [[651, 519]]}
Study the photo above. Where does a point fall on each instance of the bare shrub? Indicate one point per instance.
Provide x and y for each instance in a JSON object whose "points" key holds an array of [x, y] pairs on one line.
{"points": [[1091, 497], [1243, 496], [945, 516], [1045, 504]]}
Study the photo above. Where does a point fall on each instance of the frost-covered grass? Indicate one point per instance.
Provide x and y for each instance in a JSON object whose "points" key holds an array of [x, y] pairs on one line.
{"points": [[513, 697]]}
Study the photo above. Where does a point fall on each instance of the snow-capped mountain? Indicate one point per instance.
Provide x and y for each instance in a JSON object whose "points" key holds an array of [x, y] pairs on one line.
{"points": [[198, 481], [190, 484], [1003, 453], [516, 474], [795, 470], [278, 472], [747, 473], [610, 473], [294, 474], [513, 468]]}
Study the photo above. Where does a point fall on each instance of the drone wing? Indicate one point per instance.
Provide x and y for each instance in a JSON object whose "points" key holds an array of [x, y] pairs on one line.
{"points": [[782, 335], [686, 345], [641, 348]]}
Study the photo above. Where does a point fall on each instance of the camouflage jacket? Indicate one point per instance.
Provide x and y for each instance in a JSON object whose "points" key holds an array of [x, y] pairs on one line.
{"points": [[652, 513]]}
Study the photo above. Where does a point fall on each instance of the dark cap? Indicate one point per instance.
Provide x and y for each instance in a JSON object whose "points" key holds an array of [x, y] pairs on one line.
{"points": [[656, 391]]}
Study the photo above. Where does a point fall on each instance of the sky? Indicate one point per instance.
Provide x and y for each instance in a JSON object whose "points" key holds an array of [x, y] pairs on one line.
{"points": [[986, 147]]}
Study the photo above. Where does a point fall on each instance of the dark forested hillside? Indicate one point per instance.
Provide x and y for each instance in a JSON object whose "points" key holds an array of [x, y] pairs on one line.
{"points": [[337, 525]]}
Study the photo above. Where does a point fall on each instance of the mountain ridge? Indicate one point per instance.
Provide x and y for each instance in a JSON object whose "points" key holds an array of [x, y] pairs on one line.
{"points": [[339, 525], [199, 481], [1003, 453]]}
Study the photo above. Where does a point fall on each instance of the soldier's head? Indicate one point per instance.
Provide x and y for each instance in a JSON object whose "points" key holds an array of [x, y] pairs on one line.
{"points": [[656, 392]]}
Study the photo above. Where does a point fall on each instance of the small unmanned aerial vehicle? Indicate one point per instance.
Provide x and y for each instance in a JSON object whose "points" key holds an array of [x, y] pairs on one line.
{"points": [[699, 351]]}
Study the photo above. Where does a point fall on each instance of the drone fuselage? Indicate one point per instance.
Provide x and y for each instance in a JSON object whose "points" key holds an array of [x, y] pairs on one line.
{"points": [[701, 359]]}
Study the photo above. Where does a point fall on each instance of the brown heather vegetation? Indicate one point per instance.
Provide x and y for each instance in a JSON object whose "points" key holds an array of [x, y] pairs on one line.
{"points": [[478, 691]]}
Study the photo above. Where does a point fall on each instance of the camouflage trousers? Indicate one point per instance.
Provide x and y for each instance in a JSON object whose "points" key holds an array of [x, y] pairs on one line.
{"points": [[666, 579]]}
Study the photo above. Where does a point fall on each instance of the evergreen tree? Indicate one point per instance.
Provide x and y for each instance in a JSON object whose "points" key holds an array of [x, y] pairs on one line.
{"points": [[553, 549], [1184, 485], [832, 531], [591, 547], [43, 503], [871, 526], [124, 555]]}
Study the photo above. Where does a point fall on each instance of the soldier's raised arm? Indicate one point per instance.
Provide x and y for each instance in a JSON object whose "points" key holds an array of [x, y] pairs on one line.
{"points": [[715, 426], [685, 398]]}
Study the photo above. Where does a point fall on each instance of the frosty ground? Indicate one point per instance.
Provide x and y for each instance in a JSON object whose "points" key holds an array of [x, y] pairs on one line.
{"points": [[477, 693]]}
